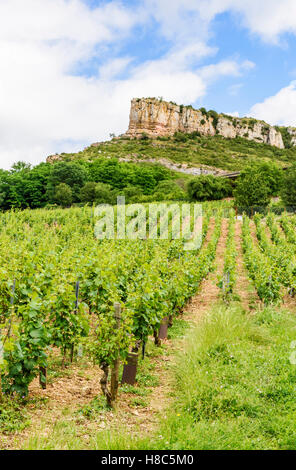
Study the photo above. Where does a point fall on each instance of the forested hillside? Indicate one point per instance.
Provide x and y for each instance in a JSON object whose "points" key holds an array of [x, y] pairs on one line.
{"points": [[142, 170]]}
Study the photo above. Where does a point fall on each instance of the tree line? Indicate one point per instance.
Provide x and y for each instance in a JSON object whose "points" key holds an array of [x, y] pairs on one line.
{"points": [[102, 180], [99, 181], [256, 187]]}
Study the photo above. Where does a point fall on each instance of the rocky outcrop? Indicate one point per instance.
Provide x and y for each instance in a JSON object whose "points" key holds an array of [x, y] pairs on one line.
{"points": [[53, 158], [160, 118], [292, 132], [178, 167]]}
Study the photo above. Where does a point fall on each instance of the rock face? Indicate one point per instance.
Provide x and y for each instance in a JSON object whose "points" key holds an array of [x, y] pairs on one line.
{"points": [[53, 158], [159, 118], [292, 132]]}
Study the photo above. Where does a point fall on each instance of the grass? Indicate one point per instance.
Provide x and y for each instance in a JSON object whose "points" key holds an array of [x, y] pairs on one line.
{"points": [[90, 427], [96, 407], [139, 403], [236, 386], [13, 416], [178, 329], [218, 152], [133, 390]]}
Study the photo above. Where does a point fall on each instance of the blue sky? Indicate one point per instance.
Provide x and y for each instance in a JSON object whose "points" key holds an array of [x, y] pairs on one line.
{"points": [[69, 68]]}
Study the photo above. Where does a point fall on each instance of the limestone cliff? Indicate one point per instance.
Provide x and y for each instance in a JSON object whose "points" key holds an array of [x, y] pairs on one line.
{"points": [[160, 118], [292, 132]]}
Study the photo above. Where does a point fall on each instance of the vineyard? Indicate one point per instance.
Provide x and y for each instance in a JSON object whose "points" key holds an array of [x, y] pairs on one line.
{"points": [[67, 295], [63, 288]]}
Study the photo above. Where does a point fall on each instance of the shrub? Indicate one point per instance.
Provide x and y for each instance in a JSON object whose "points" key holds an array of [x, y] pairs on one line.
{"points": [[215, 116], [208, 188], [169, 190], [287, 137], [63, 195], [193, 135], [180, 137], [104, 194], [131, 193], [88, 192]]}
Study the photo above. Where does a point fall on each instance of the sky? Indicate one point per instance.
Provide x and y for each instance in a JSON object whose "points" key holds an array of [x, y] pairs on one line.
{"points": [[69, 68]]}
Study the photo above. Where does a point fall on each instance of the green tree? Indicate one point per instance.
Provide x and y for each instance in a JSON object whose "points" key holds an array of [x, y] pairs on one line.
{"points": [[252, 190], [63, 195], [208, 188], [272, 175], [145, 179], [288, 193], [34, 185], [131, 193], [170, 191], [88, 192], [20, 166], [104, 194], [72, 174]]}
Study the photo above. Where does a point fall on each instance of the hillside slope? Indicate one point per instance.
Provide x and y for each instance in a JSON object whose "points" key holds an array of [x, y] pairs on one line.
{"points": [[186, 152], [192, 141]]}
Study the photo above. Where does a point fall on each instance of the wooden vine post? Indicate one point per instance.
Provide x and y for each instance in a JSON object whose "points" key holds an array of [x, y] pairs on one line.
{"points": [[76, 310], [111, 394], [157, 341], [43, 377], [115, 368], [130, 369], [163, 329]]}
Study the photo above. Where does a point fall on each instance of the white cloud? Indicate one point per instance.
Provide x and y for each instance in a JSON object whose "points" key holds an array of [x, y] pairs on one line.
{"points": [[278, 109], [46, 107], [234, 114], [266, 18], [51, 20], [114, 67], [43, 105], [224, 68], [269, 19]]}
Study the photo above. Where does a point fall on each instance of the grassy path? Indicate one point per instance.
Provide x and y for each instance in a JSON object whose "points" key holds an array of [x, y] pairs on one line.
{"points": [[243, 288], [235, 383]]}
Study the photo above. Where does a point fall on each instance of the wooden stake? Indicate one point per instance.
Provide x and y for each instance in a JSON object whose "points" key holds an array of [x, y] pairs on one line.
{"points": [[115, 368], [43, 377], [64, 358], [157, 341], [76, 309], [104, 383]]}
